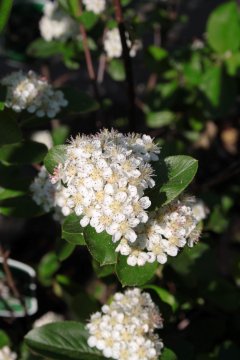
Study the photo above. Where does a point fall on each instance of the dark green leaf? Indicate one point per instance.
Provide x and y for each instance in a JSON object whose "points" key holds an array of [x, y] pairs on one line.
{"points": [[100, 246], [44, 49], [64, 249], [134, 275], [222, 24], [55, 156], [4, 339], [66, 340], [168, 354], [5, 10], [21, 206], [174, 174], [60, 134], [10, 132], [72, 230], [88, 19], [103, 271], [164, 295], [26, 152], [47, 268], [78, 101]]}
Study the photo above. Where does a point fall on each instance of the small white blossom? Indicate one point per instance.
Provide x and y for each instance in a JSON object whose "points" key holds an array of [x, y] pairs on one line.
{"points": [[104, 179], [48, 318], [56, 23], [48, 195], [125, 329], [7, 354], [113, 46], [96, 6], [167, 230], [32, 93]]}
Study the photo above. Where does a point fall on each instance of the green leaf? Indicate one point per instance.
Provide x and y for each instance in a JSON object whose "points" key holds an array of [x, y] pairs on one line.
{"points": [[44, 49], [47, 268], [100, 246], [55, 156], [15, 177], [63, 340], [60, 134], [223, 28], [70, 6], [4, 339], [88, 19], [212, 84], [174, 174], [157, 52], [8, 193], [64, 250], [20, 206], [116, 70], [102, 271], [134, 275], [160, 118], [72, 230], [78, 101], [168, 354], [3, 93], [164, 295], [5, 10], [10, 132], [26, 152]]}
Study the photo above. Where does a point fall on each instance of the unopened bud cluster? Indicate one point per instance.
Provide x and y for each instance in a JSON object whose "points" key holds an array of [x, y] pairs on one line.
{"points": [[113, 45], [96, 6], [167, 230], [125, 329], [46, 194], [104, 179], [56, 24], [7, 354], [33, 93]]}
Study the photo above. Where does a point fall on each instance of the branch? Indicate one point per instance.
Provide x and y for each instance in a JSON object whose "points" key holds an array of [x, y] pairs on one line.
{"points": [[127, 64]]}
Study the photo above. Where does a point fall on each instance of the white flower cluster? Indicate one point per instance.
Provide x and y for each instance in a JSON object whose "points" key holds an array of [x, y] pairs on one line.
{"points": [[48, 318], [105, 177], [7, 354], [113, 46], [56, 24], [46, 194], [125, 329], [96, 6], [168, 229], [32, 93]]}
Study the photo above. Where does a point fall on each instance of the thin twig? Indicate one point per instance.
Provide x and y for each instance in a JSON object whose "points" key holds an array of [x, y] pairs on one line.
{"points": [[89, 63], [127, 63], [9, 278]]}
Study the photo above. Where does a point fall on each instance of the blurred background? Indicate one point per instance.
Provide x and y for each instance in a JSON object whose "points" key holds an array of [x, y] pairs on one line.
{"points": [[186, 76]]}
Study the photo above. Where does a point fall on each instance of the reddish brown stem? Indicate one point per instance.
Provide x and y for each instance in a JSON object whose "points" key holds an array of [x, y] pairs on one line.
{"points": [[127, 64]]}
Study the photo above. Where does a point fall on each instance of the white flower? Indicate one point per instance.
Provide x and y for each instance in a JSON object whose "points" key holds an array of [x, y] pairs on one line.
{"points": [[32, 93], [43, 137], [48, 318], [167, 230], [105, 177], [56, 24], [7, 354], [125, 328], [113, 46], [96, 6], [49, 196]]}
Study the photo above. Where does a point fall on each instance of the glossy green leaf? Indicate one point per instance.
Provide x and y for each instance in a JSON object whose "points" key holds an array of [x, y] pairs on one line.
{"points": [[88, 19], [103, 271], [64, 340], [134, 275], [47, 268], [223, 28], [174, 174], [164, 295], [116, 70], [100, 246], [54, 157], [26, 152], [72, 230], [5, 10], [64, 249]]}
